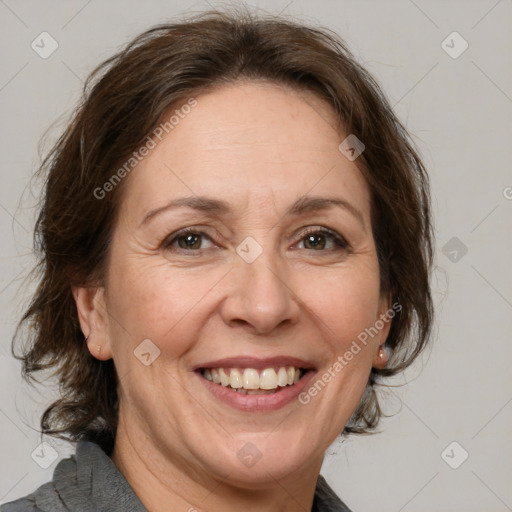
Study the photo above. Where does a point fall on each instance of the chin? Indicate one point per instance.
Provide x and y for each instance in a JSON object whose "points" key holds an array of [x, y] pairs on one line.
{"points": [[257, 461]]}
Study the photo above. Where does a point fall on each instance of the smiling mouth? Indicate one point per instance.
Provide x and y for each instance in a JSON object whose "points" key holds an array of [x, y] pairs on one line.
{"points": [[251, 381]]}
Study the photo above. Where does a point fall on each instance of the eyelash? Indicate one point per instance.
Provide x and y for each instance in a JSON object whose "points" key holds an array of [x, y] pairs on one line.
{"points": [[338, 239]]}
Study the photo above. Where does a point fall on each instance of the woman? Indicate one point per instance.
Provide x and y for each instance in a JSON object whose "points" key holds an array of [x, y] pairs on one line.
{"points": [[235, 248]]}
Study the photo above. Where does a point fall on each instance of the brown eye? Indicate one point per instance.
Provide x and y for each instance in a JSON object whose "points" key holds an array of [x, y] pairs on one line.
{"points": [[188, 240], [314, 241], [323, 239], [191, 241]]}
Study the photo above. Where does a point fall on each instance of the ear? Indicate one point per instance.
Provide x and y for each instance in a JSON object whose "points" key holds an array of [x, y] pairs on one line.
{"points": [[93, 317], [383, 324]]}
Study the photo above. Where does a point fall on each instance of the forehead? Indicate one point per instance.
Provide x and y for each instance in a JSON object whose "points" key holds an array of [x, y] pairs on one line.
{"points": [[249, 144]]}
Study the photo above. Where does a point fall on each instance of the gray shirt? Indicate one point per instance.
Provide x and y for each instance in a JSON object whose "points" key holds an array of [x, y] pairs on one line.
{"points": [[89, 482]]}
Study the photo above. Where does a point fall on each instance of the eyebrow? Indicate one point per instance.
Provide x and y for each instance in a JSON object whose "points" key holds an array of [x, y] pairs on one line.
{"points": [[304, 204]]}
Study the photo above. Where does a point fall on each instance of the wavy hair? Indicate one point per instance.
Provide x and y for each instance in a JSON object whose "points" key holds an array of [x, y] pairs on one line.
{"points": [[123, 101]]}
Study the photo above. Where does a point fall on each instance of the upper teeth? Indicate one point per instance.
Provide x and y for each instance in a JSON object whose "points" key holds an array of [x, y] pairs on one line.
{"points": [[250, 378]]}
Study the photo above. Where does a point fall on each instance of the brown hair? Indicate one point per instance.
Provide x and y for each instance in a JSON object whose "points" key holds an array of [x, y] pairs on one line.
{"points": [[124, 100]]}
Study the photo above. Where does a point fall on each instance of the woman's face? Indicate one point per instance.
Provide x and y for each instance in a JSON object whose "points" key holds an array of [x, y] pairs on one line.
{"points": [[256, 287]]}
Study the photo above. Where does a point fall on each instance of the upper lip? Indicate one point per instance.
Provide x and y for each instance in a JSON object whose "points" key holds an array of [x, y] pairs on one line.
{"points": [[256, 363]]}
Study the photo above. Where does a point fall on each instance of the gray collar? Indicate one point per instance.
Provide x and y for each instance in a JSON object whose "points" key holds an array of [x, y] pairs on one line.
{"points": [[90, 482]]}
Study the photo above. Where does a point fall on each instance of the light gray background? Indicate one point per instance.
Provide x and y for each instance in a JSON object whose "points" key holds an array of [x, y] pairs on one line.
{"points": [[458, 109]]}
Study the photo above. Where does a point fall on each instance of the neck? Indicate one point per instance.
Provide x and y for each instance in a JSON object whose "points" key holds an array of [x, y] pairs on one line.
{"points": [[162, 484]]}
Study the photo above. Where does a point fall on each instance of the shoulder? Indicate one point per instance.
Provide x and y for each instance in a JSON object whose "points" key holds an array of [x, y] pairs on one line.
{"points": [[47, 496], [86, 481], [21, 505], [32, 502], [326, 500]]}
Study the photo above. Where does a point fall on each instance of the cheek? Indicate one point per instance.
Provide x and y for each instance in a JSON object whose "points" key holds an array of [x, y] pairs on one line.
{"points": [[344, 300], [152, 300]]}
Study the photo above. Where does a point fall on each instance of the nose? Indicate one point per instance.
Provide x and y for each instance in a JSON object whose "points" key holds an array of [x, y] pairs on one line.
{"points": [[261, 297]]}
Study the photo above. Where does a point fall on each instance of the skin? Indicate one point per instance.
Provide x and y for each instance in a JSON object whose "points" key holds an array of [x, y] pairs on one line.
{"points": [[259, 147]]}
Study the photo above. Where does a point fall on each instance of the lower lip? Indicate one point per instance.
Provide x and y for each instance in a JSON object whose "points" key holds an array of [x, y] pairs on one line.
{"points": [[257, 403]]}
